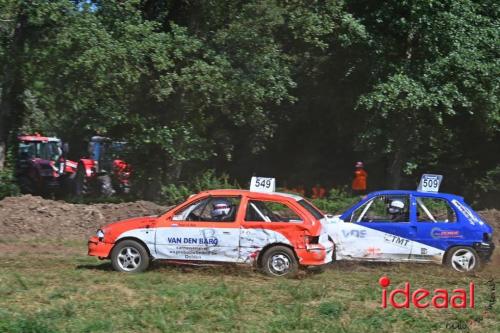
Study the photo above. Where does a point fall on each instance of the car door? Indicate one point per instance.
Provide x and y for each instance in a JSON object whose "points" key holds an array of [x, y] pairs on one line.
{"points": [[193, 233], [437, 227], [266, 222], [374, 233]]}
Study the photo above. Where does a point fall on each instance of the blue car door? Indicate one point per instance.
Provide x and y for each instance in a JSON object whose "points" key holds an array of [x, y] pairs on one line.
{"points": [[387, 219], [437, 227]]}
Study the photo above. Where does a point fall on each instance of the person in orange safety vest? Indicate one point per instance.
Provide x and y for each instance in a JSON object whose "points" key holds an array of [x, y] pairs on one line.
{"points": [[359, 181], [318, 192]]}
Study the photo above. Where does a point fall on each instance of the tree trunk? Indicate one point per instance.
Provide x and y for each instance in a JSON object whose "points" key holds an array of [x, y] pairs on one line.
{"points": [[12, 85], [395, 169]]}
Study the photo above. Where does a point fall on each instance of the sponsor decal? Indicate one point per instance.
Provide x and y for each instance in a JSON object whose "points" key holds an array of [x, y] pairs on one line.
{"points": [[396, 240], [189, 240], [373, 251], [423, 250], [404, 297], [473, 219], [354, 233], [439, 233], [195, 248]]}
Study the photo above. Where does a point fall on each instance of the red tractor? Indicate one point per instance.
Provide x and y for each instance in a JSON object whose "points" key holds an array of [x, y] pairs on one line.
{"points": [[103, 172], [41, 166]]}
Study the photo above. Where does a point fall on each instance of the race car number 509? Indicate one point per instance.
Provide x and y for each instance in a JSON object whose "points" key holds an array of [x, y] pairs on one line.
{"points": [[430, 183]]}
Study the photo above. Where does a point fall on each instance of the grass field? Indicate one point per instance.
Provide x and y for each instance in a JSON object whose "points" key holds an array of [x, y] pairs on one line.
{"points": [[48, 287]]}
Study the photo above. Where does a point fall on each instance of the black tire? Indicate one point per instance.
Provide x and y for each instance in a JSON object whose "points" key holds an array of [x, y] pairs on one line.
{"points": [[279, 261], [106, 187], [26, 185], [463, 259], [81, 183], [130, 257], [67, 185]]}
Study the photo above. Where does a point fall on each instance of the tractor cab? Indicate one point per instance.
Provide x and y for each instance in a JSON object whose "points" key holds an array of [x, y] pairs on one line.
{"points": [[103, 151], [39, 147], [40, 163]]}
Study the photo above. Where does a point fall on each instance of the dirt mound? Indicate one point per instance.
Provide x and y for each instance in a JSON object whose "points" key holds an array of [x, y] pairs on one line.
{"points": [[28, 217], [492, 216]]}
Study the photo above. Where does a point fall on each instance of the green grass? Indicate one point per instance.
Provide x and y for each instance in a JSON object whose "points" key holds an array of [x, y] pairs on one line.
{"points": [[60, 289]]}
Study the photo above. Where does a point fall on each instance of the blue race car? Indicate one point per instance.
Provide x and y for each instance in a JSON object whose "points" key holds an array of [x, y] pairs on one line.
{"points": [[413, 226]]}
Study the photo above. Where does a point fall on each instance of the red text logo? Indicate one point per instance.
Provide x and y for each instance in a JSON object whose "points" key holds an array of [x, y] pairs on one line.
{"points": [[423, 298]]}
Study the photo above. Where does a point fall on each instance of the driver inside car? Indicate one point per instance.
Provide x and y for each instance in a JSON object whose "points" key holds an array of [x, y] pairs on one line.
{"points": [[222, 210], [396, 211]]}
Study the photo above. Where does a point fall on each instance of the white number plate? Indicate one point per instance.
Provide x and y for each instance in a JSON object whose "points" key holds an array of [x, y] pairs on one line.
{"points": [[261, 184], [430, 183]]}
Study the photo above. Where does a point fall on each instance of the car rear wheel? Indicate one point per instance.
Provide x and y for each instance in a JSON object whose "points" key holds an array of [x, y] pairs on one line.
{"points": [[463, 259], [279, 261], [129, 256]]}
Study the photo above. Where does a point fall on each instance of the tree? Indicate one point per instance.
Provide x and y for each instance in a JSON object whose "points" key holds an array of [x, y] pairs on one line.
{"points": [[435, 76]]}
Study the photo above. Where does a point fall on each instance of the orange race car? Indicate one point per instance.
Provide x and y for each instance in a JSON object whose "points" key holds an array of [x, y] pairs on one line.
{"points": [[277, 232]]}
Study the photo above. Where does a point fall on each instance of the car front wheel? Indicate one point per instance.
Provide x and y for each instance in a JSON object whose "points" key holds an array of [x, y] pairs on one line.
{"points": [[129, 256], [279, 261], [463, 259]]}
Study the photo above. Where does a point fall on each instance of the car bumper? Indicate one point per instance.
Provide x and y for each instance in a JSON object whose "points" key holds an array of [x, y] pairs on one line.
{"points": [[314, 255], [484, 250], [98, 248]]}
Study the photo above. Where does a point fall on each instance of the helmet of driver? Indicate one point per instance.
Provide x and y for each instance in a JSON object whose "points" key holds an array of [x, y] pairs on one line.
{"points": [[220, 208], [396, 206]]}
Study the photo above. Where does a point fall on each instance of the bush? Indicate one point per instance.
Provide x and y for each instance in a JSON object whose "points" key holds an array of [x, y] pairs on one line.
{"points": [[8, 184], [337, 202], [172, 194]]}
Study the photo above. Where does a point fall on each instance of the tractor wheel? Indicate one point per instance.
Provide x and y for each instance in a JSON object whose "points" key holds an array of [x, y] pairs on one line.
{"points": [[81, 183], [26, 185], [106, 186]]}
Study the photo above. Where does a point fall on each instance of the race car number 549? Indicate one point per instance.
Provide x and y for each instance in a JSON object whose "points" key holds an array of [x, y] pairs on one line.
{"points": [[261, 184]]}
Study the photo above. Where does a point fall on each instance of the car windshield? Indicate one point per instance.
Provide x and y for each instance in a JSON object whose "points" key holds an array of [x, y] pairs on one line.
{"points": [[38, 149]]}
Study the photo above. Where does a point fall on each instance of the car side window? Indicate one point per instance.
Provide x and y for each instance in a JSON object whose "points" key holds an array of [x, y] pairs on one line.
{"points": [[384, 208], [435, 210], [270, 211], [211, 209]]}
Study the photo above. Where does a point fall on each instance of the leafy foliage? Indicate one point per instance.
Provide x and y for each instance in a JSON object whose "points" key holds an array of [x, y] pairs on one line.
{"points": [[174, 194], [298, 90], [8, 184], [337, 202]]}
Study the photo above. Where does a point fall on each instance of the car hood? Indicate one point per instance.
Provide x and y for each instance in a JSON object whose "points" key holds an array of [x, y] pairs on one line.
{"points": [[113, 230]]}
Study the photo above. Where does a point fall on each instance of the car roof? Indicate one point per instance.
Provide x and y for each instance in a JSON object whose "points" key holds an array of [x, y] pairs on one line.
{"points": [[263, 195], [408, 192]]}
